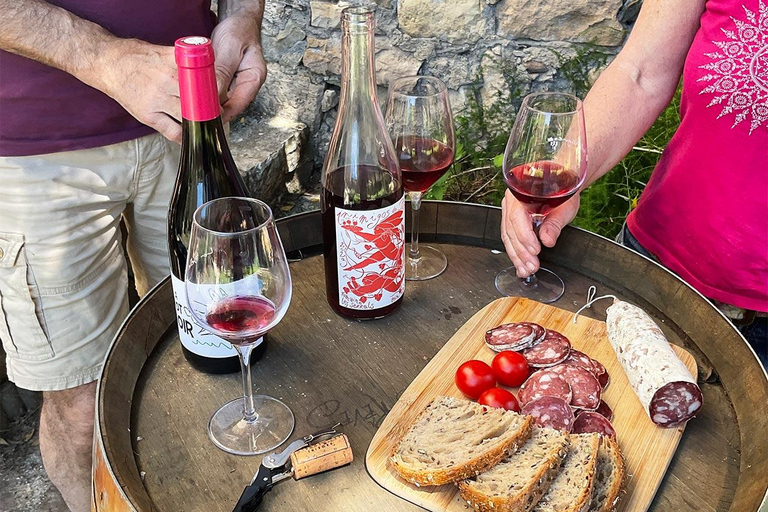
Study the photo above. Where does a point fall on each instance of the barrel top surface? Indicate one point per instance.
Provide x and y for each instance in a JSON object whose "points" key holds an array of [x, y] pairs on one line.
{"points": [[329, 370]]}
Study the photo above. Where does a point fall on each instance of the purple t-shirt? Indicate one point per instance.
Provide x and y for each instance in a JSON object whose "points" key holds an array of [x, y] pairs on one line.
{"points": [[45, 110]]}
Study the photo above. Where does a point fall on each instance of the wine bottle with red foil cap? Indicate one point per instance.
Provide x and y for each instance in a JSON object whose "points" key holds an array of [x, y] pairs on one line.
{"points": [[206, 172], [363, 203]]}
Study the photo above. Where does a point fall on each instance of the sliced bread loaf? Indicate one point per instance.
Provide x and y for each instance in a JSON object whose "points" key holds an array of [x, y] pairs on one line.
{"points": [[453, 439], [609, 476], [517, 483], [571, 489]]}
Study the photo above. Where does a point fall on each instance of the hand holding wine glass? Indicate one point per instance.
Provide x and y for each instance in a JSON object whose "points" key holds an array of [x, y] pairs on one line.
{"points": [[239, 287], [420, 123], [545, 164]]}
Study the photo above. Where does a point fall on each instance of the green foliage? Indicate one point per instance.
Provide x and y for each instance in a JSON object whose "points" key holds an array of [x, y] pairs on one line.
{"points": [[482, 132]]}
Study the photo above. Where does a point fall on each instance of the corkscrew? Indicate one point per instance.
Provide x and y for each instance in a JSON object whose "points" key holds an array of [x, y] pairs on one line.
{"points": [[312, 454]]}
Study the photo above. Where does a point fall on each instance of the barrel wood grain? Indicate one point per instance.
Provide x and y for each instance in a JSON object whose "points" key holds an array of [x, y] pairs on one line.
{"points": [[647, 448], [331, 370]]}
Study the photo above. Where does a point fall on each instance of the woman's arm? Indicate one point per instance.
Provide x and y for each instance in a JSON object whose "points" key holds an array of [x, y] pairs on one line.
{"points": [[625, 100]]}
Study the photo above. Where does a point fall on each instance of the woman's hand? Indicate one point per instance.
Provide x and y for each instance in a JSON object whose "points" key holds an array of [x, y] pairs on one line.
{"points": [[518, 236]]}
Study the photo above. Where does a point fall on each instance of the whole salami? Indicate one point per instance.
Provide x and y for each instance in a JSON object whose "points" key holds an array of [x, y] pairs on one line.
{"points": [[661, 381], [515, 336], [544, 383], [551, 412]]}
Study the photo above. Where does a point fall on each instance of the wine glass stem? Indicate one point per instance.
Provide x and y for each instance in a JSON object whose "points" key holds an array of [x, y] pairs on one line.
{"points": [[536, 219], [249, 408], [415, 197]]}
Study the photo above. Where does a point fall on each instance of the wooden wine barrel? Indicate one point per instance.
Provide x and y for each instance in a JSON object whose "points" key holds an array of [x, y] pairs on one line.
{"points": [[151, 447]]}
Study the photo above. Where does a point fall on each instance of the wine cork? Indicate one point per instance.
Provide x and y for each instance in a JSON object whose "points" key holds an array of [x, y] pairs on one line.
{"points": [[328, 454]]}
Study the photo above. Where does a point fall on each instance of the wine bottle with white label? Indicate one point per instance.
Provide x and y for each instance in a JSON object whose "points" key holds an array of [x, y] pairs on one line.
{"points": [[362, 202], [206, 172]]}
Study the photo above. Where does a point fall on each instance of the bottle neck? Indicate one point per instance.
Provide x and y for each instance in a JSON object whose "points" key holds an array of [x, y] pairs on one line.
{"points": [[208, 133], [358, 71], [199, 93]]}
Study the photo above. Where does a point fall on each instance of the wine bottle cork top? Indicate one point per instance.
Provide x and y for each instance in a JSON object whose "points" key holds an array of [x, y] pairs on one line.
{"points": [[194, 52]]}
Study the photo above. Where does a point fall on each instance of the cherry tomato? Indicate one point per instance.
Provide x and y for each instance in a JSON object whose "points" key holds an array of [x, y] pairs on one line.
{"points": [[474, 377], [510, 368], [500, 398]]}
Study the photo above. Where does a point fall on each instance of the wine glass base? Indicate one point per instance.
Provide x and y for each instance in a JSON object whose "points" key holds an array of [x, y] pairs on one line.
{"points": [[431, 263], [546, 286], [229, 430]]}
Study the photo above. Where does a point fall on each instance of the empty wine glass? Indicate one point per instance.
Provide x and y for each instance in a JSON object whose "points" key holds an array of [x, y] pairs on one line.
{"points": [[420, 123], [545, 163], [239, 287]]}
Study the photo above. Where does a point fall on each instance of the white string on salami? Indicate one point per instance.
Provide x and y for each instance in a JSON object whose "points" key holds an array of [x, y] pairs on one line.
{"points": [[591, 299]]}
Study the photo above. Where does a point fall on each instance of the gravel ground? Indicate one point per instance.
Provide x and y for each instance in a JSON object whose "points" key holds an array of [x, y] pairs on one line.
{"points": [[24, 486]]}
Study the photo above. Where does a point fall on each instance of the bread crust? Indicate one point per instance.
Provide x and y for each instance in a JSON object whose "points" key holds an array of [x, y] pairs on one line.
{"points": [[615, 491], [470, 468], [525, 499], [584, 499]]}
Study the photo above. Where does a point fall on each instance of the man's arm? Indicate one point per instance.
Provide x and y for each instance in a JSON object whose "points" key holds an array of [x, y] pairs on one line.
{"points": [[138, 75], [240, 65], [625, 100]]}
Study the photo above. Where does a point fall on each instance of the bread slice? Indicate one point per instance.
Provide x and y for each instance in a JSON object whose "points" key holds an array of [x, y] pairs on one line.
{"points": [[453, 439], [518, 482], [609, 476], [571, 489]]}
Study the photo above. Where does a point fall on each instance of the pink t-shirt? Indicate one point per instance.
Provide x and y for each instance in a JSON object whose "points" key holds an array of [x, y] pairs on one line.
{"points": [[45, 110], [704, 212]]}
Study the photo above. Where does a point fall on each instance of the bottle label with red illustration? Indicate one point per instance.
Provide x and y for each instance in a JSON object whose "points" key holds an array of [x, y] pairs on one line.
{"points": [[371, 256]]}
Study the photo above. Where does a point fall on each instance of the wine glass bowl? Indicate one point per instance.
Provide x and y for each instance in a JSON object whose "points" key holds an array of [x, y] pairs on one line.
{"points": [[239, 287], [545, 164], [420, 122]]}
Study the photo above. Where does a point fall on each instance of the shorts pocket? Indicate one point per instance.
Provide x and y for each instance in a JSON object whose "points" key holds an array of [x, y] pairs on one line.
{"points": [[21, 332]]}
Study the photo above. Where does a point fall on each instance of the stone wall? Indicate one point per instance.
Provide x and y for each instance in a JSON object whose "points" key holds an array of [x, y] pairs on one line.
{"points": [[462, 42]]}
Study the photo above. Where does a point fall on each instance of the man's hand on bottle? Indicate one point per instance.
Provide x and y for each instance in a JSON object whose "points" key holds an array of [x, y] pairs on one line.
{"points": [[240, 65], [143, 78], [517, 233]]}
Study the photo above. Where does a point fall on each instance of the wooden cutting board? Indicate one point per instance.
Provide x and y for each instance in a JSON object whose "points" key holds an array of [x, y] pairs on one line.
{"points": [[648, 449]]}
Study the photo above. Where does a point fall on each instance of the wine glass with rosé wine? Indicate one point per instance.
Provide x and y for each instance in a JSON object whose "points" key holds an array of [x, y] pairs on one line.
{"points": [[420, 123], [239, 287], [545, 163]]}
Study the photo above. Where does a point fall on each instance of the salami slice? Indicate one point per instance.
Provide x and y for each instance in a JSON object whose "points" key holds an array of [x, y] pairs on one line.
{"points": [[516, 336], [552, 350], [551, 412], [604, 379], [544, 383], [660, 380], [585, 387], [580, 359], [605, 410], [599, 368], [588, 421]]}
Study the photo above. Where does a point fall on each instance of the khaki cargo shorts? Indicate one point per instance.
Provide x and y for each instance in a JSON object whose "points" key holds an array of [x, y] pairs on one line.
{"points": [[63, 277]]}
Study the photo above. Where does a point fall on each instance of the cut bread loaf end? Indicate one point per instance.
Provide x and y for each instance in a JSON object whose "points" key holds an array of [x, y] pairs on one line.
{"points": [[571, 489], [609, 476], [518, 482], [454, 439]]}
